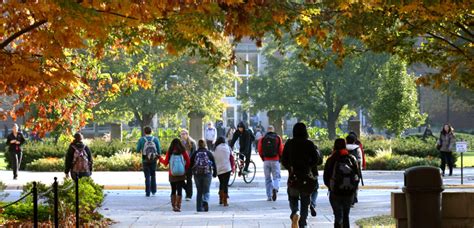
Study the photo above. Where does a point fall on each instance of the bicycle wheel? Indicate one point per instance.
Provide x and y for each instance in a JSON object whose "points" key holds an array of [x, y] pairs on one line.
{"points": [[248, 178], [233, 175]]}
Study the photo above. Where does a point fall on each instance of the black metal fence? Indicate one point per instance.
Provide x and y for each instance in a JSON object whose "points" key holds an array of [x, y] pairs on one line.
{"points": [[54, 188]]}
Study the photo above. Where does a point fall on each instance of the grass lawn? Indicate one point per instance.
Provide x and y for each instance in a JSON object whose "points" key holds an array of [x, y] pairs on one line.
{"points": [[377, 221], [3, 165], [468, 160]]}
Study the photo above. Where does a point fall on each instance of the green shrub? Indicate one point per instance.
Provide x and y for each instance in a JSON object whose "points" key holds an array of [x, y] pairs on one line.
{"points": [[119, 162], [377, 221], [36, 150], [108, 149], [388, 161], [46, 165], [23, 211]]}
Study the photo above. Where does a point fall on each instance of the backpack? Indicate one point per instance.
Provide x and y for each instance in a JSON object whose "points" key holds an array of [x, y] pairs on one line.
{"points": [[344, 179], [202, 164], [80, 161], [177, 165], [354, 153], [149, 149], [270, 145]]}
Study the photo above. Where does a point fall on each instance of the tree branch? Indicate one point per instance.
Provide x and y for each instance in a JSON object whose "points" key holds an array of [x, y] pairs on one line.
{"points": [[461, 26], [116, 14], [21, 32], [450, 44]]}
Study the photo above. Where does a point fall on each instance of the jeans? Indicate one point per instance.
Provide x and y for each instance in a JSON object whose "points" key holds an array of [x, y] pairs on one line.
{"points": [[247, 160], [203, 183], [314, 196], [177, 188], [447, 157], [149, 169], [189, 184], [341, 206], [15, 162], [294, 196], [271, 169], [224, 182]]}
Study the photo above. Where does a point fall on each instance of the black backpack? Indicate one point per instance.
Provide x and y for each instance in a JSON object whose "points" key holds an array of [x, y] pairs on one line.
{"points": [[354, 153], [270, 145], [345, 177]]}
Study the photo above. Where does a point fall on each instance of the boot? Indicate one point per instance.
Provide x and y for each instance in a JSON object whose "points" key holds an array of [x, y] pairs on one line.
{"points": [[173, 202], [220, 197], [224, 199], [178, 203]]}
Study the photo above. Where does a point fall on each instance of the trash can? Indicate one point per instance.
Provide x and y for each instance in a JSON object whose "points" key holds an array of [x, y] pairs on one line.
{"points": [[423, 187]]}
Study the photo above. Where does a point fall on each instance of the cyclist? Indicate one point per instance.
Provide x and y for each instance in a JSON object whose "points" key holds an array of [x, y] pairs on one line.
{"points": [[246, 138]]}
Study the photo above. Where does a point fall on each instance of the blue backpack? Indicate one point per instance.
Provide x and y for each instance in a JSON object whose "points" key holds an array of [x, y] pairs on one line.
{"points": [[177, 165]]}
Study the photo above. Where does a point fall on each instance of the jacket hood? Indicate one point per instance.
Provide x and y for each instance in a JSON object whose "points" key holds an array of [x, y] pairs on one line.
{"points": [[242, 125], [352, 146], [299, 131], [78, 144]]}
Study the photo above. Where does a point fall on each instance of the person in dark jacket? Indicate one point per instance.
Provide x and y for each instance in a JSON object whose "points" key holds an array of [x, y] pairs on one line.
{"points": [[445, 144], [246, 138], [300, 157], [203, 180], [340, 202], [14, 142], [75, 156]]}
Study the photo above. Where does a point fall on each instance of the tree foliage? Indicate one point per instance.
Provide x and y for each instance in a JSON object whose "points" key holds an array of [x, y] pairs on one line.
{"points": [[395, 106]]}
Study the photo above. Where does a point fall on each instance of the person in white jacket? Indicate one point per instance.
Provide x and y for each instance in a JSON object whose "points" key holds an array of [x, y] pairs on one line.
{"points": [[355, 150], [210, 135], [222, 156]]}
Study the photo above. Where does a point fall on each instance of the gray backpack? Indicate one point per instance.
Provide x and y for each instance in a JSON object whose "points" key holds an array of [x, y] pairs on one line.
{"points": [[149, 149]]}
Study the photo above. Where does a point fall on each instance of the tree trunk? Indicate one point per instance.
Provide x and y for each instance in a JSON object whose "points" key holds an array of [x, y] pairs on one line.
{"points": [[332, 120], [144, 120], [195, 125], [275, 118]]}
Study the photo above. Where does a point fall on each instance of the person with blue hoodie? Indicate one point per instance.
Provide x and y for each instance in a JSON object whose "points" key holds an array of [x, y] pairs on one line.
{"points": [[246, 138], [150, 148]]}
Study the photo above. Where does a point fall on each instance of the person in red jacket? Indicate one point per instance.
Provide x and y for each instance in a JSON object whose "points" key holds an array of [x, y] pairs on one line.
{"points": [[270, 149], [176, 157]]}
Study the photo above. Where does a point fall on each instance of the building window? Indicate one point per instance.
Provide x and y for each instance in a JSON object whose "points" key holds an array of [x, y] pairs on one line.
{"points": [[230, 117]]}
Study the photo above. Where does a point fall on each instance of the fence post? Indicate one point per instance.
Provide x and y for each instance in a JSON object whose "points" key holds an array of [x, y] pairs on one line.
{"points": [[56, 203], [76, 179], [35, 205]]}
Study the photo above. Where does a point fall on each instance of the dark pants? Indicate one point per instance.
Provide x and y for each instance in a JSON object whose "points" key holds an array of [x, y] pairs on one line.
{"points": [[210, 145], [15, 162], [341, 206], [447, 157], [78, 175], [149, 169], [177, 187], [189, 184], [295, 196], [247, 160], [203, 184], [224, 181]]}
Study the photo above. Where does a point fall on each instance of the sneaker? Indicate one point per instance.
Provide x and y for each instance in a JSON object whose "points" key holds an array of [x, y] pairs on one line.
{"points": [[295, 218], [269, 199], [313, 210], [274, 195], [188, 199], [147, 194], [245, 172]]}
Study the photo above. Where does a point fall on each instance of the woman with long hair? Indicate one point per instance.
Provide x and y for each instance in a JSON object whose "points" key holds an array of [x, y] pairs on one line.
{"points": [[177, 158], [445, 144], [190, 146], [204, 168], [78, 158]]}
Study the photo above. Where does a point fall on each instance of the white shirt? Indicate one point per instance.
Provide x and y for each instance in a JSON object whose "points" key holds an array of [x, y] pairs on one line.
{"points": [[210, 134], [350, 147]]}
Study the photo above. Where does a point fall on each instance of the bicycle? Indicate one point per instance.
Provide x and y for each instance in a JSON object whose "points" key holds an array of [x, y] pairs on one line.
{"points": [[239, 167]]}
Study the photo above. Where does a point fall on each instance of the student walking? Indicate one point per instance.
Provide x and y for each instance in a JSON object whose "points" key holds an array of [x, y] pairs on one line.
{"points": [[204, 168], [270, 149], [314, 194], [300, 158], [78, 159], [149, 146], [445, 146], [245, 137], [190, 146], [341, 178], [210, 134], [178, 161], [355, 151], [224, 166], [14, 142]]}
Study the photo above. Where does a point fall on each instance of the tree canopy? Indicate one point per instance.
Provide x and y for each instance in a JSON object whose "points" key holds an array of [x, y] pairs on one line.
{"points": [[38, 39]]}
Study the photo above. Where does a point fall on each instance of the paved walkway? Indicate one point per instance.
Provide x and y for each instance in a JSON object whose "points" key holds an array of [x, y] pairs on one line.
{"points": [[126, 203]]}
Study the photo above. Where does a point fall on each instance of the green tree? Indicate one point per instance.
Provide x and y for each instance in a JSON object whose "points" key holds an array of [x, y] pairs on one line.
{"points": [[395, 106]]}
